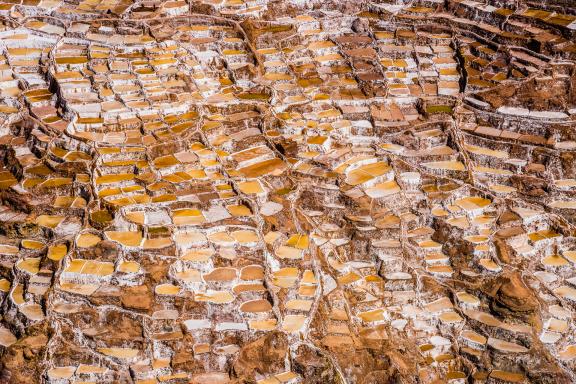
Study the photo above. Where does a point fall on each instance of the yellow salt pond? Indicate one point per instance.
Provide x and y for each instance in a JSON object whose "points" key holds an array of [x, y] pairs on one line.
{"points": [[32, 244], [167, 289], [4, 285], [542, 235], [33, 312], [285, 277], [157, 243], [467, 298], [189, 276], [90, 267], [285, 252], [262, 325], [563, 204], [216, 297], [221, 238], [490, 265], [239, 210], [299, 305], [501, 188], [187, 217], [30, 265], [49, 221], [293, 323], [57, 252], [273, 167], [507, 376], [445, 165], [201, 255], [474, 337], [472, 203], [126, 238], [371, 316], [570, 256], [119, 353], [367, 172], [252, 272], [245, 236], [568, 353], [348, 278], [450, 317], [61, 372], [6, 337], [10, 249], [136, 217], [308, 277], [251, 187], [298, 241], [129, 267], [87, 240], [256, 306], [486, 151], [492, 171], [79, 289], [380, 190], [554, 261], [221, 274], [116, 178], [440, 269], [566, 292]]}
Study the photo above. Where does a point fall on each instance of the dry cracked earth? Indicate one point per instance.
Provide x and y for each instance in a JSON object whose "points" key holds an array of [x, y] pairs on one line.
{"points": [[287, 192]]}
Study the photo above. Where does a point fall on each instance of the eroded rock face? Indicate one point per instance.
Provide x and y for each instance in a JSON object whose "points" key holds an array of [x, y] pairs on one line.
{"points": [[513, 295], [264, 356], [314, 367], [283, 192]]}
